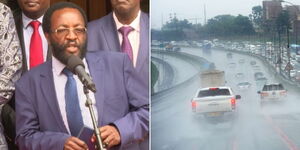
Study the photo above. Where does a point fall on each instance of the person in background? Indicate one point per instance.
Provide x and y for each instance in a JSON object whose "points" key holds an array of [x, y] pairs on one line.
{"points": [[50, 103], [10, 63], [125, 29], [28, 17], [29, 26]]}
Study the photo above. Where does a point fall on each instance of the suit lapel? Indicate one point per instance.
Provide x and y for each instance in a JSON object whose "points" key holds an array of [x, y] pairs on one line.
{"points": [[143, 54], [96, 67], [48, 91], [111, 34]]}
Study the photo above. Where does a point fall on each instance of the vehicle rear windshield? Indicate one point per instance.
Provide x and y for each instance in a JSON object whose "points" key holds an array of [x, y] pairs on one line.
{"points": [[215, 92], [243, 83], [261, 79], [272, 87]]}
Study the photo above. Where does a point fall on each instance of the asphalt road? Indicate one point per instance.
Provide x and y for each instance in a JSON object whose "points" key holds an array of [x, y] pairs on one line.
{"points": [[170, 74], [274, 127]]}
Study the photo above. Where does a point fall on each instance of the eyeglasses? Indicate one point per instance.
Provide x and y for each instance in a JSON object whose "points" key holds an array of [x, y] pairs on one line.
{"points": [[65, 31]]}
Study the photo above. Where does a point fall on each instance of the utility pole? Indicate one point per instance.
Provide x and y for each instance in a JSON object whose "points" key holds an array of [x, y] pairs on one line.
{"points": [[204, 14], [288, 66]]}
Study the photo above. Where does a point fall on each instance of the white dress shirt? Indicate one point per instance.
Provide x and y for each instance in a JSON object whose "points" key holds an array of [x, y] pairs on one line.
{"points": [[27, 33], [133, 36], [60, 80]]}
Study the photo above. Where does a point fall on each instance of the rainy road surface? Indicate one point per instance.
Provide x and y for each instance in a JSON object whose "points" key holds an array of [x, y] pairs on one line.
{"points": [[273, 127], [170, 74]]}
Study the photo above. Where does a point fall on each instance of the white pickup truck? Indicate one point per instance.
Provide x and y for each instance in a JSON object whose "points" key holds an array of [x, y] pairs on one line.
{"points": [[215, 102]]}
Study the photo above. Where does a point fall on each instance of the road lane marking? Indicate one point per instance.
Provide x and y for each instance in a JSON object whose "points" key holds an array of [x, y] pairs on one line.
{"points": [[234, 144], [281, 133]]}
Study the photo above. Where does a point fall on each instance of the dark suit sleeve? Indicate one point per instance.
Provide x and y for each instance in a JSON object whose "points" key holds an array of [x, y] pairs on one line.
{"points": [[134, 125], [29, 135]]}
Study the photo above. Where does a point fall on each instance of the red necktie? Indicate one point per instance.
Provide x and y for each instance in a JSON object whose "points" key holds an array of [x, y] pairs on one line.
{"points": [[36, 47]]}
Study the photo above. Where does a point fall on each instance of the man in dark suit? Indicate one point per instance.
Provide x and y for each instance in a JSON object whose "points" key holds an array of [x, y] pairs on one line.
{"points": [[104, 34], [43, 103]]}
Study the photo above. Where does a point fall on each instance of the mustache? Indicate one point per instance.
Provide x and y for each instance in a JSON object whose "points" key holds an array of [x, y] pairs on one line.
{"points": [[71, 43]]}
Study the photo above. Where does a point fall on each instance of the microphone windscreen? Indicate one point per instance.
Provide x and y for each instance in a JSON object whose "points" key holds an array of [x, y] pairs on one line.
{"points": [[73, 62]]}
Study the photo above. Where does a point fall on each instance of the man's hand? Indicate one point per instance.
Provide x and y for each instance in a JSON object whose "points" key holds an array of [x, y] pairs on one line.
{"points": [[73, 143], [109, 135]]}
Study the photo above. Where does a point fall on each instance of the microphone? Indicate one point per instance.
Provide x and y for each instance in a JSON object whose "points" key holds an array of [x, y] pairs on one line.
{"points": [[76, 66]]}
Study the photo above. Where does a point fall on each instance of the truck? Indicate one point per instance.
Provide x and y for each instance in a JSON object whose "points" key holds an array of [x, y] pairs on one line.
{"points": [[212, 78], [213, 99]]}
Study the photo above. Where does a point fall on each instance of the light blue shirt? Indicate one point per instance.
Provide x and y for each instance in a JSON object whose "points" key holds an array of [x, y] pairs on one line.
{"points": [[60, 80]]}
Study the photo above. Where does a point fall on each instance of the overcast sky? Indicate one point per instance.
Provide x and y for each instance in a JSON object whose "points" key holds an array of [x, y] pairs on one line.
{"points": [[191, 9]]}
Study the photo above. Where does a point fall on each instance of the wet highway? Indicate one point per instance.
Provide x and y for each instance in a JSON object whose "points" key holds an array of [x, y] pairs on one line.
{"points": [[273, 127]]}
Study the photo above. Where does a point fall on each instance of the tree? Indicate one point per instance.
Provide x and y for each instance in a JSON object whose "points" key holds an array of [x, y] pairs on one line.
{"points": [[257, 16], [175, 29], [227, 25], [283, 21], [220, 25], [243, 26]]}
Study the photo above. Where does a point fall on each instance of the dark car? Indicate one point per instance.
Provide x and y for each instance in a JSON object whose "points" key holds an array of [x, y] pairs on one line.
{"points": [[229, 55], [258, 75], [253, 62]]}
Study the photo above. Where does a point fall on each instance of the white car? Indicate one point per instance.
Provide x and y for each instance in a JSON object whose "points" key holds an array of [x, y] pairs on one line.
{"points": [[272, 93], [214, 102], [240, 75], [244, 85]]}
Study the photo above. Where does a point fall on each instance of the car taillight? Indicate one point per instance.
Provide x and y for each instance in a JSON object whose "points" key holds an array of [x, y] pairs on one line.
{"points": [[194, 105], [213, 88], [232, 103], [263, 94], [283, 93]]}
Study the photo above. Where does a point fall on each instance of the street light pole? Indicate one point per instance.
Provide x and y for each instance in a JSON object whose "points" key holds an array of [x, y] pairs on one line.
{"points": [[288, 53]]}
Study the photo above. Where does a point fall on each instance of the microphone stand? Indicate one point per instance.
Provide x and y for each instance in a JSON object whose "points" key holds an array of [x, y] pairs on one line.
{"points": [[89, 104]]}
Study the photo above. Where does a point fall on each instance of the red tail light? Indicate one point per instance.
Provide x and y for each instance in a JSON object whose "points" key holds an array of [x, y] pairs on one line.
{"points": [[283, 93], [194, 105], [213, 88], [263, 94], [232, 103]]}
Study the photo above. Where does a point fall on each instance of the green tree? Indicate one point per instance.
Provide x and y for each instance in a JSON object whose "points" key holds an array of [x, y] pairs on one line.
{"points": [[257, 16], [220, 25], [243, 26], [283, 21], [174, 30], [228, 25]]}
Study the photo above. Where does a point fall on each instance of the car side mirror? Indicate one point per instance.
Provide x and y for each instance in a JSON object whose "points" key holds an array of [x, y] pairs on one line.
{"points": [[238, 97], [258, 92]]}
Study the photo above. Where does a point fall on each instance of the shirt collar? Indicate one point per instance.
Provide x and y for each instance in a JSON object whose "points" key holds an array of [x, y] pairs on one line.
{"points": [[58, 66], [26, 20], [135, 24]]}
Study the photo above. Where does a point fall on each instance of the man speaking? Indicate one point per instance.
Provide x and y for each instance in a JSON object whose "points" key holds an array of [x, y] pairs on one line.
{"points": [[50, 102]]}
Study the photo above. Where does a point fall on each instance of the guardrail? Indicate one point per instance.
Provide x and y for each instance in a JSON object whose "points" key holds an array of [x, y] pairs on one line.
{"points": [[196, 61]]}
